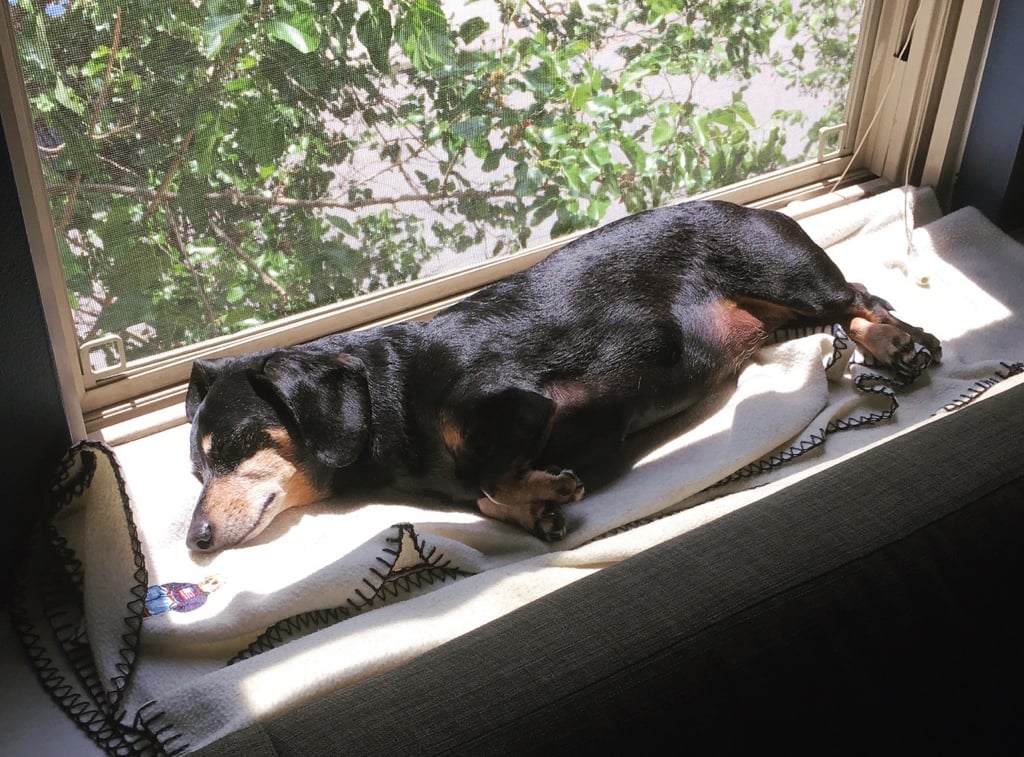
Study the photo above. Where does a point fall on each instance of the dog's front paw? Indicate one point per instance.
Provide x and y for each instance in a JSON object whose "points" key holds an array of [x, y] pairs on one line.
{"points": [[911, 362], [532, 499], [566, 486], [550, 524]]}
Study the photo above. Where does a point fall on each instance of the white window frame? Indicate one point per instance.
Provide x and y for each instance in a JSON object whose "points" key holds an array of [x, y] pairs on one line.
{"points": [[906, 123]]}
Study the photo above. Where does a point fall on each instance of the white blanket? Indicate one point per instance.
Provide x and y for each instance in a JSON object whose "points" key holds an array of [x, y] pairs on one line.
{"points": [[187, 647]]}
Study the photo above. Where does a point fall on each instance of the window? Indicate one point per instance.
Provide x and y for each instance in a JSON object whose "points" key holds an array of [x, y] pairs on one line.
{"points": [[231, 175]]}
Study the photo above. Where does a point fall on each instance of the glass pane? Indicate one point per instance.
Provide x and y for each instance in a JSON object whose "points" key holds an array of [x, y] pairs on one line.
{"points": [[216, 165]]}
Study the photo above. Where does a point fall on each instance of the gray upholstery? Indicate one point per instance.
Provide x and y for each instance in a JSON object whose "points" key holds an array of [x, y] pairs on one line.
{"points": [[873, 604]]}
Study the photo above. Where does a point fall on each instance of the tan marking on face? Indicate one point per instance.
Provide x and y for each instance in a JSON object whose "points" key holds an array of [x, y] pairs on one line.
{"points": [[206, 443], [281, 438], [241, 504], [300, 490]]}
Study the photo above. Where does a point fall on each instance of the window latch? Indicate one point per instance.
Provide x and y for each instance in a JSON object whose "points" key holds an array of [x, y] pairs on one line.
{"points": [[830, 141], [96, 357]]}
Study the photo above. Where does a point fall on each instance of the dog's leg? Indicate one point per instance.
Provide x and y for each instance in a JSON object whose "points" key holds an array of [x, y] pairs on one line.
{"points": [[496, 441], [532, 500], [866, 318], [785, 267]]}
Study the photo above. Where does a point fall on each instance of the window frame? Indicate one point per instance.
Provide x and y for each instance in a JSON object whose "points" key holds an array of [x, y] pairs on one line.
{"points": [[906, 123]]}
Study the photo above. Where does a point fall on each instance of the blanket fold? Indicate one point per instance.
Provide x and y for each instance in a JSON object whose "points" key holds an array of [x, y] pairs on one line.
{"points": [[153, 649]]}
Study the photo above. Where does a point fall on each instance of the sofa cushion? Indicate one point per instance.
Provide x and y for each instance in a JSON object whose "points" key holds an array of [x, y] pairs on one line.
{"points": [[874, 602]]}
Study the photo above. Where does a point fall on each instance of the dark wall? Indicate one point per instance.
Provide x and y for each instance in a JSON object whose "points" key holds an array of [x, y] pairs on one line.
{"points": [[33, 430], [991, 177]]}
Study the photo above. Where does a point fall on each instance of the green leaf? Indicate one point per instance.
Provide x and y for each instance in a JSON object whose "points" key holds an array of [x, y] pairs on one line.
{"points": [[740, 108], [598, 154], [633, 74], [597, 208], [528, 179], [700, 131], [217, 31], [555, 135], [235, 294], [260, 131], [300, 31], [472, 128], [35, 46], [207, 135], [567, 221], [374, 30], [492, 161], [723, 117], [579, 95], [67, 97], [128, 309], [423, 33], [636, 154], [472, 29], [571, 173], [341, 223], [42, 103], [663, 132]]}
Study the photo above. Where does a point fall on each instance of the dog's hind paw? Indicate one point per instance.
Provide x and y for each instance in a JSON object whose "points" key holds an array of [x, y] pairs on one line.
{"points": [[907, 353]]}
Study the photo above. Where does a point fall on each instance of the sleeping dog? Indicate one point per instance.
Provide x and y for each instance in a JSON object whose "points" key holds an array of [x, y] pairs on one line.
{"points": [[498, 399]]}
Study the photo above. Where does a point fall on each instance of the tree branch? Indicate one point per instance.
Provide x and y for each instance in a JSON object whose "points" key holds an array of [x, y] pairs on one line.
{"points": [[162, 192], [191, 267], [101, 98], [265, 277], [70, 206]]}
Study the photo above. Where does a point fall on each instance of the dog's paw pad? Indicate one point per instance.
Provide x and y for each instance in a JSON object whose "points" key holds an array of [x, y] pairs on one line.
{"points": [[550, 524], [908, 359]]}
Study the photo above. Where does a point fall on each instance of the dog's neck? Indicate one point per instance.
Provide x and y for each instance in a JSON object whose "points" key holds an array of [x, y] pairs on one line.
{"points": [[387, 354]]}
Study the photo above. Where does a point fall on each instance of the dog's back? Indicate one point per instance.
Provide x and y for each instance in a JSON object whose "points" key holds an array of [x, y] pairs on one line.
{"points": [[638, 317]]}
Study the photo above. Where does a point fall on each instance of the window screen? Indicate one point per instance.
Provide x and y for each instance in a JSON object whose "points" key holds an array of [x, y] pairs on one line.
{"points": [[214, 166]]}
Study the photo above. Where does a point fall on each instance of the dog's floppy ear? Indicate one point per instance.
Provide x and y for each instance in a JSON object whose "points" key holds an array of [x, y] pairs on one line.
{"points": [[328, 400], [205, 372]]}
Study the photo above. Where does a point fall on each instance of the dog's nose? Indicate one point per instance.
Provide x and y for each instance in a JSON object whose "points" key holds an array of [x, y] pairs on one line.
{"points": [[200, 535]]}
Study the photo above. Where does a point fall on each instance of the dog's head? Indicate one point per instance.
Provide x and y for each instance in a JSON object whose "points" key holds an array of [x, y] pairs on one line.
{"points": [[268, 430]]}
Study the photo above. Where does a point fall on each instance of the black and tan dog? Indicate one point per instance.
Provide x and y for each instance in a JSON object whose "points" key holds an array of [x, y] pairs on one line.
{"points": [[499, 398]]}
